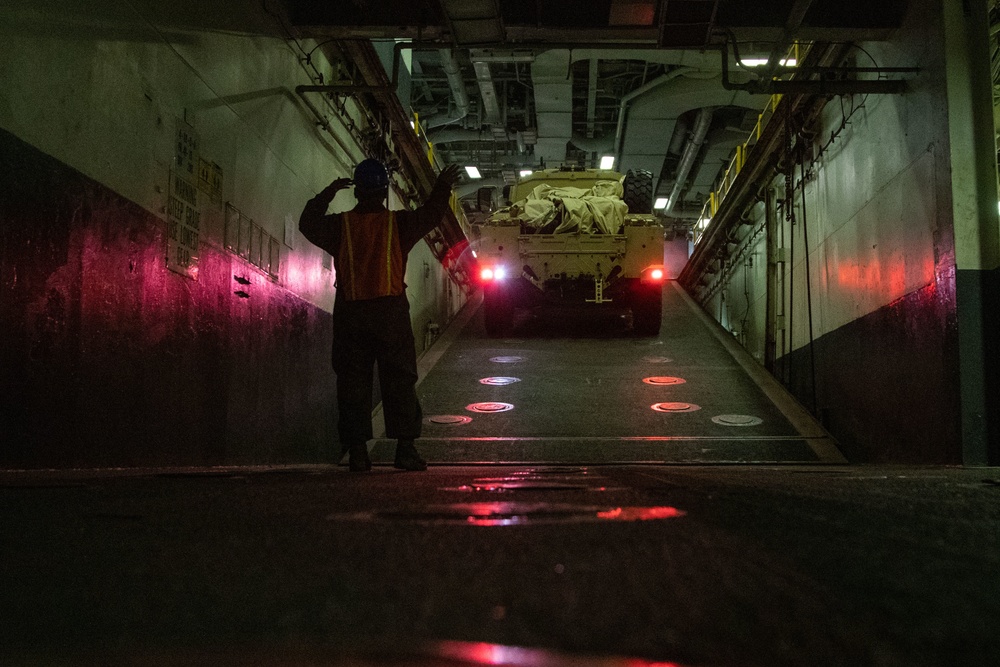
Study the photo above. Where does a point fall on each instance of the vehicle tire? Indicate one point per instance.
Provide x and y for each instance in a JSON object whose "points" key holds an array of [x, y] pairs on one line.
{"points": [[647, 311], [638, 195], [498, 312]]}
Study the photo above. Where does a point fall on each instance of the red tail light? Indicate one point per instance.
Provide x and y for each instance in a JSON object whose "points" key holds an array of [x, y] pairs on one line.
{"points": [[654, 274], [492, 273]]}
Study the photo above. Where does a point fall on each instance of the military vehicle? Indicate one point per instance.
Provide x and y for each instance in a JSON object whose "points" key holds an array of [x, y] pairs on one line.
{"points": [[585, 238]]}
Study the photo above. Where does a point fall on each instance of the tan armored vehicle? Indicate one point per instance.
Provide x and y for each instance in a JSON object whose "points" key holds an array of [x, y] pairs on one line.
{"points": [[573, 237]]}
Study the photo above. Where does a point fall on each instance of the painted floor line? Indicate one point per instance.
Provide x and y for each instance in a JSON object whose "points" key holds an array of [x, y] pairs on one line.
{"points": [[823, 444]]}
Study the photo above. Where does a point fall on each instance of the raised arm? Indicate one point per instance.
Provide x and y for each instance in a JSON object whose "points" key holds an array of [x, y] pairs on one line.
{"points": [[314, 223], [429, 215]]}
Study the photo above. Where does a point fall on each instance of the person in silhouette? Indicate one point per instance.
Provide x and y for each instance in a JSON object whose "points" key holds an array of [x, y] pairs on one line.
{"points": [[371, 314]]}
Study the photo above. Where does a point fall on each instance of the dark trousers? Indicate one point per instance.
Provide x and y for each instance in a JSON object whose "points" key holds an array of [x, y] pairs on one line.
{"points": [[365, 333]]}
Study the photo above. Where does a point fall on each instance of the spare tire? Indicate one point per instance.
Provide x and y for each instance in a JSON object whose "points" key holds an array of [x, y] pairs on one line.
{"points": [[638, 195]]}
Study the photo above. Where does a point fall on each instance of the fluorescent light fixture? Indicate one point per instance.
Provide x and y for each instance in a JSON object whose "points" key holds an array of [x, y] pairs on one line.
{"points": [[413, 124], [607, 162], [473, 172], [525, 172], [757, 62], [661, 202]]}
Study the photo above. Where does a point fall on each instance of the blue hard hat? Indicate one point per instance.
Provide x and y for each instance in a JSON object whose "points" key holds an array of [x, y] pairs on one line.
{"points": [[371, 175]]}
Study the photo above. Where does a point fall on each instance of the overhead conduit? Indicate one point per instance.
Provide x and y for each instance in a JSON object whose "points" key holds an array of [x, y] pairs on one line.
{"points": [[650, 118], [691, 150], [454, 73]]}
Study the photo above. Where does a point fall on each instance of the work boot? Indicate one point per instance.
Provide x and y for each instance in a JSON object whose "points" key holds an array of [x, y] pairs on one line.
{"points": [[407, 457], [359, 461]]}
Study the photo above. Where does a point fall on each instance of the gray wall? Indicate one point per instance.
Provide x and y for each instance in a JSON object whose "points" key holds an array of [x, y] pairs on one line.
{"points": [[109, 357], [876, 356]]}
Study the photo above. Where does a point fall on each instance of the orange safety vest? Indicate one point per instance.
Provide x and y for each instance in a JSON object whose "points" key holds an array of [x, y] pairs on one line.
{"points": [[370, 260]]}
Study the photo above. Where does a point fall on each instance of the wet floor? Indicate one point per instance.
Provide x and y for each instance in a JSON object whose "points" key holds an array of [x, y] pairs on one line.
{"points": [[504, 565], [579, 388], [596, 499]]}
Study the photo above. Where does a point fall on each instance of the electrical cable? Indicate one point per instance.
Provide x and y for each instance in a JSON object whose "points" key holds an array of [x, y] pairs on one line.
{"points": [[790, 219], [805, 238]]}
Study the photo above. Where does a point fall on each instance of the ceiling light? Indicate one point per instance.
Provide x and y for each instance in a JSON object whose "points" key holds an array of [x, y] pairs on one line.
{"points": [[525, 172], [757, 62], [473, 172], [661, 202], [607, 162]]}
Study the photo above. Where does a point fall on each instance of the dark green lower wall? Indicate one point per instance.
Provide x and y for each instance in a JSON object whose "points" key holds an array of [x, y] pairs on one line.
{"points": [[109, 359], [979, 347], [887, 384]]}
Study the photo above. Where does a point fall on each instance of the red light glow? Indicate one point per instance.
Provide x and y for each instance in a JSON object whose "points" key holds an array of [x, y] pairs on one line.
{"points": [[654, 274], [489, 273], [640, 513], [481, 653]]}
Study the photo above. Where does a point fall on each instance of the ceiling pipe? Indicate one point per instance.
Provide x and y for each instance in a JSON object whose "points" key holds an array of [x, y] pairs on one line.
{"points": [[701, 125], [699, 60], [592, 71], [641, 90], [458, 92]]}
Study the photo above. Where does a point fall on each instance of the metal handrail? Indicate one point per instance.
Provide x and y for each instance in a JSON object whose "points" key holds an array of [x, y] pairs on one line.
{"points": [[725, 182]]}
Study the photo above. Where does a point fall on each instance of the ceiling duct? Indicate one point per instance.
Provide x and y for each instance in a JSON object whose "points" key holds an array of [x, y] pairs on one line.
{"points": [[701, 125], [454, 134], [716, 154], [653, 114], [454, 73], [707, 60], [491, 109], [553, 93]]}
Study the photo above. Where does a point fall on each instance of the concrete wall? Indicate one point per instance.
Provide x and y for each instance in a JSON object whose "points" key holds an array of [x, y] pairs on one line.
{"points": [[109, 357], [876, 358]]}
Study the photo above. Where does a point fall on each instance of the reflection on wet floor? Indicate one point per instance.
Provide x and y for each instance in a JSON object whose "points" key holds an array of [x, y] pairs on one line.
{"points": [[481, 653], [511, 514]]}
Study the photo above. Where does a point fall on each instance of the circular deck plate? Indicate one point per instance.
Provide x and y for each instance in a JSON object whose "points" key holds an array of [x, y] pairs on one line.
{"points": [[737, 420], [489, 407], [499, 381], [657, 360], [456, 420], [675, 407], [663, 380], [506, 360]]}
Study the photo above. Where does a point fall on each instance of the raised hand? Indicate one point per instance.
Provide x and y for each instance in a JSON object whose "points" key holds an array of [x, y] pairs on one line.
{"points": [[339, 184], [449, 175]]}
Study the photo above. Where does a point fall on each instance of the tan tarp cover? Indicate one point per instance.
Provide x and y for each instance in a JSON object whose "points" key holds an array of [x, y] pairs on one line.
{"points": [[596, 210]]}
